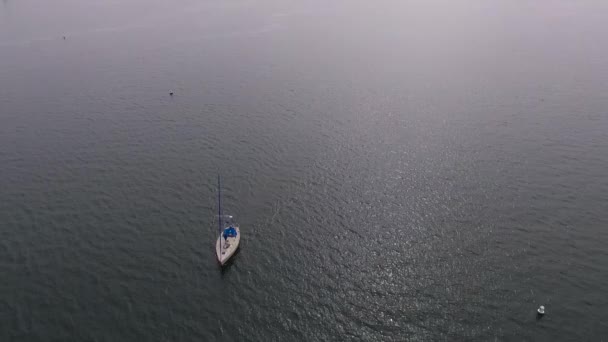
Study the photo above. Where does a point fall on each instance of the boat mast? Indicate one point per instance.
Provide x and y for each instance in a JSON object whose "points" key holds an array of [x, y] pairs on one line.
{"points": [[219, 207]]}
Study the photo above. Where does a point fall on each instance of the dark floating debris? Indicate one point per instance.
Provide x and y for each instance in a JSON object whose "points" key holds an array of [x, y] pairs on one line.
{"points": [[171, 93]]}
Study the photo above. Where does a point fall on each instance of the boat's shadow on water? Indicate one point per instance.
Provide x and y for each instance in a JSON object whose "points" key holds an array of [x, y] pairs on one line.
{"points": [[228, 265]]}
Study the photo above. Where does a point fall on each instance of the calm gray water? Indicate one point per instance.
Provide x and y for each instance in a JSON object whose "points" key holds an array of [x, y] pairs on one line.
{"points": [[401, 170]]}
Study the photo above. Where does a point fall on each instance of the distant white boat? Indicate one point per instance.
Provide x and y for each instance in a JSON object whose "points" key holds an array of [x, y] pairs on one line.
{"points": [[230, 236], [541, 310]]}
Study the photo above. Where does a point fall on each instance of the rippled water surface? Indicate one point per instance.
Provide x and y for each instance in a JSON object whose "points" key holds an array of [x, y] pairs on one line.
{"points": [[401, 170]]}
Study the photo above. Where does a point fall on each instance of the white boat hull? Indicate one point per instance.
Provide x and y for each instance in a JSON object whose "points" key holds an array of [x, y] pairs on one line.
{"points": [[225, 248]]}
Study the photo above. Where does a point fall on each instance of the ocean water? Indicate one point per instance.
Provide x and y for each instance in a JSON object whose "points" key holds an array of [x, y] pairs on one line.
{"points": [[401, 170]]}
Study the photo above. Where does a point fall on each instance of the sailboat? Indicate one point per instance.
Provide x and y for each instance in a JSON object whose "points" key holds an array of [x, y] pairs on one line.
{"points": [[228, 241]]}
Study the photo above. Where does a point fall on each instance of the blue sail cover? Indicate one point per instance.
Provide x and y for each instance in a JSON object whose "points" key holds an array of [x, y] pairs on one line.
{"points": [[229, 232]]}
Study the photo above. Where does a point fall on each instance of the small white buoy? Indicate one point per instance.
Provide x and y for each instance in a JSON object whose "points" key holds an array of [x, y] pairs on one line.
{"points": [[541, 310]]}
